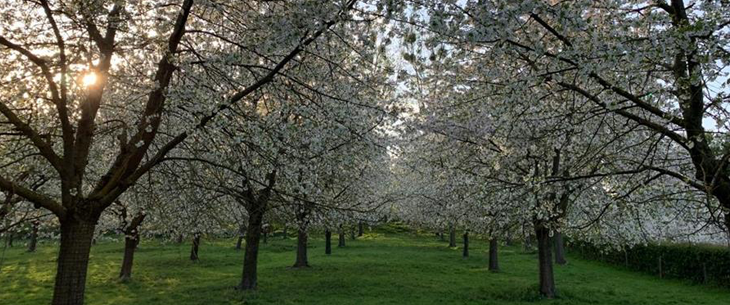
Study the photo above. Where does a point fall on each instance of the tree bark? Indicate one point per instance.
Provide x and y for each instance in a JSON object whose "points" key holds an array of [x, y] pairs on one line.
{"points": [[465, 253], [241, 234], [33, 236], [250, 258], [73, 261], [131, 240], [179, 239], [130, 245], [352, 233], [493, 255], [441, 236], [327, 242], [239, 242], [559, 249], [360, 229], [341, 241], [194, 249], [9, 239], [285, 235], [527, 245], [544, 249], [301, 261], [452, 236]]}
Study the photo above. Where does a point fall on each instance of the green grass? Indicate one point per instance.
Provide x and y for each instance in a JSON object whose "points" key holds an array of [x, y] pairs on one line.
{"points": [[376, 269]]}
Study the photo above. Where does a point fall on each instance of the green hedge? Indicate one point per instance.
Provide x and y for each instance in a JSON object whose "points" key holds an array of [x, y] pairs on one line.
{"points": [[701, 264]]}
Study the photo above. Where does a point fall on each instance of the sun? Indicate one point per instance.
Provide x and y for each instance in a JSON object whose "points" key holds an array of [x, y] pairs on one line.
{"points": [[89, 79]]}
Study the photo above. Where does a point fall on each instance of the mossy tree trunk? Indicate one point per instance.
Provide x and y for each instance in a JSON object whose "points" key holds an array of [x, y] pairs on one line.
{"points": [[73, 260], [302, 261], [195, 247], [452, 236], [32, 244], [465, 252], [327, 242], [131, 241], [545, 262], [493, 255], [559, 249], [341, 240]]}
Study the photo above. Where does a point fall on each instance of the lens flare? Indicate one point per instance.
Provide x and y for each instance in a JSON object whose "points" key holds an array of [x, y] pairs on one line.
{"points": [[89, 79]]}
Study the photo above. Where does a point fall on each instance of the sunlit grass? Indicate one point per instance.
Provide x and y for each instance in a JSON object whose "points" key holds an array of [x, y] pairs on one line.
{"points": [[376, 269]]}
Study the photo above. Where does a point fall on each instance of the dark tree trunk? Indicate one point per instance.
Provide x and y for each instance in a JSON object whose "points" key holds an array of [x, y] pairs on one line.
{"points": [[452, 236], [250, 258], [352, 233], [131, 240], [266, 237], [327, 242], [239, 242], [441, 236], [559, 249], [465, 253], [130, 245], [360, 229], [179, 239], [301, 261], [73, 261], [493, 255], [194, 249], [544, 249], [527, 245], [241, 234], [341, 241], [9, 239], [33, 237], [285, 235]]}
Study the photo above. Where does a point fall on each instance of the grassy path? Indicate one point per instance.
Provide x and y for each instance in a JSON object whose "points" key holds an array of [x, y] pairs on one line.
{"points": [[376, 269]]}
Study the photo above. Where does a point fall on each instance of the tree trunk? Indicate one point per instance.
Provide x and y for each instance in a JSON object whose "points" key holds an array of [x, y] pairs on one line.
{"points": [[493, 255], [352, 233], [179, 239], [465, 253], [527, 245], [194, 249], [239, 242], [441, 236], [131, 240], [301, 261], [250, 258], [73, 261], [327, 242], [241, 234], [266, 237], [559, 249], [544, 249], [285, 235], [360, 229], [33, 237], [452, 236], [130, 245], [9, 239], [341, 242]]}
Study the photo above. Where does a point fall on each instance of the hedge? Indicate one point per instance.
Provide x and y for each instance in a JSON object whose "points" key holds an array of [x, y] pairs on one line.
{"points": [[697, 263]]}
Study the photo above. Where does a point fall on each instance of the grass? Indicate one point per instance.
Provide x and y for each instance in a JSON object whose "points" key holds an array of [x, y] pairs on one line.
{"points": [[376, 269]]}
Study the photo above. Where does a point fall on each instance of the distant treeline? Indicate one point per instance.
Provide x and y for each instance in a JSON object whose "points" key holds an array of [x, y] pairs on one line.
{"points": [[697, 263]]}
